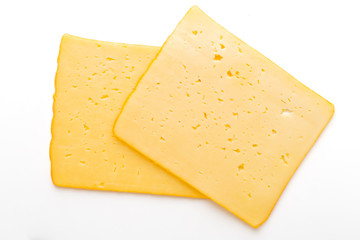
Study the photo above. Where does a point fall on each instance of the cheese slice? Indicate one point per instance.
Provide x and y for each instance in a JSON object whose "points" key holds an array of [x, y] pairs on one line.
{"points": [[92, 82], [222, 117]]}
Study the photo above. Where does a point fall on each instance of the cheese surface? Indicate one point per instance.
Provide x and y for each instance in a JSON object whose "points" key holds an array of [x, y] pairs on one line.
{"points": [[92, 82], [224, 118]]}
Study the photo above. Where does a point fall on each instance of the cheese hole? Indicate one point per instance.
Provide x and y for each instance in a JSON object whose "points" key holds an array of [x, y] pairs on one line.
{"points": [[240, 51], [98, 45], [218, 57], [205, 115], [283, 159], [82, 162], [86, 128], [138, 171], [196, 127], [68, 155], [229, 73], [162, 139], [68, 131], [259, 153], [195, 32], [249, 195], [241, 167], [227, 126], [273, 131], [105, 96], [222, 46], [223, 148], [236, 150], [92, 101], [110, 59], [101, 184], [75, 86], [263, 70], [255, 145], [286, 112]]}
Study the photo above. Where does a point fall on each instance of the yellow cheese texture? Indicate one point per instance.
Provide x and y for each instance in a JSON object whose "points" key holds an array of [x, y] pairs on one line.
{"points": [[92, 82], [224, 118]]}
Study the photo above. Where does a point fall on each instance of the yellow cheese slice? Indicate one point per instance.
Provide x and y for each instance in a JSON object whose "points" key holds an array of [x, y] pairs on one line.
{"points": [[222, 117], [92, 82]]}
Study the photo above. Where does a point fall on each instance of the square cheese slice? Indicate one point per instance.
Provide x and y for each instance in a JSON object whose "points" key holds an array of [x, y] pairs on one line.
{"points": [[224, 118], [92, 82]]}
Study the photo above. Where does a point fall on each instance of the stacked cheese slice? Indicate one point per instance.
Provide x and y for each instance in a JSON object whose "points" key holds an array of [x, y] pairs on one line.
{"points": [[205, 115]]}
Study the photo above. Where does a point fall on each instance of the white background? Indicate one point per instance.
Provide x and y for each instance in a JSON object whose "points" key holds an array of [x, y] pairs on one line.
{"points": [[316, 41]]}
